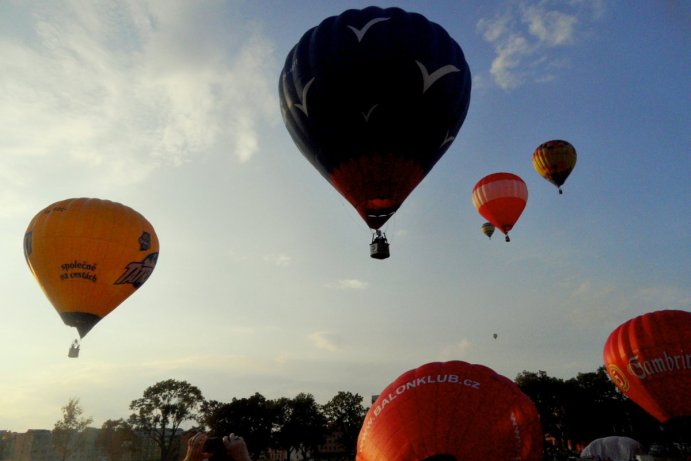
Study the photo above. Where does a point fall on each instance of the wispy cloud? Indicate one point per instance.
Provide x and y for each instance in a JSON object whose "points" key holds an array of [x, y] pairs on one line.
{"points": [[325, 341], [456, 351], [128, 87], [349, 284], [280, 259], [525, 38]]}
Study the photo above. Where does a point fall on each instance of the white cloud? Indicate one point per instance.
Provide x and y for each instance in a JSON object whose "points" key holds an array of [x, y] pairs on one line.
{"points": [[129, 87], [280, 259], [552, 28], [525, 39], [325, 340], [456, 351], [349, 284], [506, 66]]}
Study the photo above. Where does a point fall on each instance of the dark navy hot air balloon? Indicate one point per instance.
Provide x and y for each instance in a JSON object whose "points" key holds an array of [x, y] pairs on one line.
{"points": [[373, 98]]}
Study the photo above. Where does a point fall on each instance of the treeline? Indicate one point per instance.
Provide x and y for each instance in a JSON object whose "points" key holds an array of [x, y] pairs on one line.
{"points": [[297, 425], [573, 413]]}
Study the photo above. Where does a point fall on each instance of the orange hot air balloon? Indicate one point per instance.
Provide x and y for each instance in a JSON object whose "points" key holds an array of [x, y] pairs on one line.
{"points": [[88, 255], [501, 198], [456, 409], [649, 359], [554, 161]]}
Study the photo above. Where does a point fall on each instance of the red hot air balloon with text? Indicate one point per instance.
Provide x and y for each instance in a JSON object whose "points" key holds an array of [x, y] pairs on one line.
{"points": [[452, 411], [373, 98], [501, 198], [649, 359]]}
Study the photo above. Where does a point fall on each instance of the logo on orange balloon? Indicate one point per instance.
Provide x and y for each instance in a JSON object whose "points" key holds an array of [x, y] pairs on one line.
{"points": [[618, 377]]}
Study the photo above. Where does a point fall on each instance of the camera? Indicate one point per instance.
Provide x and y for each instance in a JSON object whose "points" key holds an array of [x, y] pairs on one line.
{"points": [[215, 446]]}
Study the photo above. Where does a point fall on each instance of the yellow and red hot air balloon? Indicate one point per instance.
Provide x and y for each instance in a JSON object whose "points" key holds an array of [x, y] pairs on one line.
{"points": [[501, 198], [488, 229], [649, 359], [88, 255], [554, 160], [451, 411]]}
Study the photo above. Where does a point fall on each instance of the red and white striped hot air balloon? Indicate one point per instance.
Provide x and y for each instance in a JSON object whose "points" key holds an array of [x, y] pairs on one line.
{"points": [[501, 198]]}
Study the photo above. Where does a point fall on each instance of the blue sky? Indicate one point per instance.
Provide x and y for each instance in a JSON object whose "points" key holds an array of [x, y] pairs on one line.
{"points": [[264, 281]]}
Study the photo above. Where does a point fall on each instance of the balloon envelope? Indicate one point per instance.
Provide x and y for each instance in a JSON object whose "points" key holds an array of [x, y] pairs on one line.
{"points": [[453, 408], [614, 448], [500, 198], [88, 255], [373, 98], [554, 160], [488, 229], [649, 359]]}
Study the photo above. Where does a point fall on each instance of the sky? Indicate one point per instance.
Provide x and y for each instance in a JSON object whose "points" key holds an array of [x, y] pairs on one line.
{"points": [[264, 281]]}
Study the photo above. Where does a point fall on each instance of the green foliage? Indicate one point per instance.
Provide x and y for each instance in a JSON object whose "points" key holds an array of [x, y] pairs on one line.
{"points": [[584, 408], [252, 417], [345, 414], [118, 440], [162, 409], [68, 432], [302, 425]]}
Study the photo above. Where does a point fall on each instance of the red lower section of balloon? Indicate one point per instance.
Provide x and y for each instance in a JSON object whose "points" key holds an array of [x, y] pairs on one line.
{"points": [[503, 212], [376, 185]]}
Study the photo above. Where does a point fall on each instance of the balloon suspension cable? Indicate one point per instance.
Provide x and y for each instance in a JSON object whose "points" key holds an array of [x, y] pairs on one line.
{"points": [[74, 349]]}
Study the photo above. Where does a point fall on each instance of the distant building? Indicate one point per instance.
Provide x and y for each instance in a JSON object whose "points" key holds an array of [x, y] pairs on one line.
{"points": [[7, 439], [34, 445], [37, 445]]}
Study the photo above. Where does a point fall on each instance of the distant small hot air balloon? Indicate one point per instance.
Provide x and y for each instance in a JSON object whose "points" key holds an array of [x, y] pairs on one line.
{"points": [[451, 410], [501, 198], [373, 98], [649, 359], [488, 229], [89, 255], [554, 161]]}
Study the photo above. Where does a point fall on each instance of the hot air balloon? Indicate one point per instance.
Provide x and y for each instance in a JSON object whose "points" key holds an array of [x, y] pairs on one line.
{"points": [[500, 198], [488, 229], [373, 98], [456, 409], [649, 359], [615, 448], [88, 255], [554, 161]]}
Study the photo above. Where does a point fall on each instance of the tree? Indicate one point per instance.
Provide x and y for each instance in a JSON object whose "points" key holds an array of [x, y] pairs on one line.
{"points": [[302, 425], [252, 417], [345, 414], [162, 409], [68, 432], [117, 440], [549, 395]]}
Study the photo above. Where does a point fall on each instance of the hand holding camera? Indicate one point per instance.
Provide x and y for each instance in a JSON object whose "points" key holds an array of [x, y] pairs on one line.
{"points": [[228, 448]]}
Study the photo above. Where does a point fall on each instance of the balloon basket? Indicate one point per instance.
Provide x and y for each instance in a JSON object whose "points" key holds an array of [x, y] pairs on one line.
{"points": [[379, 248], [74, 350]]}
